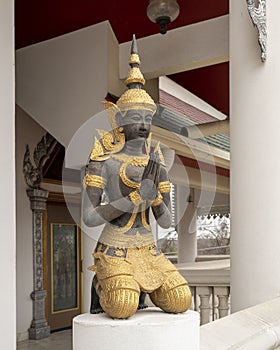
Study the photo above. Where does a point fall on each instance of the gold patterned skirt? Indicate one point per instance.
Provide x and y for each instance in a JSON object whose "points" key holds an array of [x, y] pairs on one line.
{"points": [[122, 273], [146, 265]]}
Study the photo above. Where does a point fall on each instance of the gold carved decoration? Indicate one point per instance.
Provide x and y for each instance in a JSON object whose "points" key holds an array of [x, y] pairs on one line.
{"points": [[94, 181], [157, 201], [135, 76], [136, 99], [132, 160], [135, 198], [114, 237], [97, 152], [164, 187], [134, 59]]}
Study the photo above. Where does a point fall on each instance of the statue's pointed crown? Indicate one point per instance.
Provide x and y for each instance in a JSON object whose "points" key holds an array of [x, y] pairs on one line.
{"points": [[135, 97]]}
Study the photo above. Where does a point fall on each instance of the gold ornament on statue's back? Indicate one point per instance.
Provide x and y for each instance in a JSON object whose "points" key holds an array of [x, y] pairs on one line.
{"points": [[126, 169]]}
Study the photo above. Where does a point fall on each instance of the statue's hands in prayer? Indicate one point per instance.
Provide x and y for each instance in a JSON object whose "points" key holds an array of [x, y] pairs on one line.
{"points": [[150, 179]]}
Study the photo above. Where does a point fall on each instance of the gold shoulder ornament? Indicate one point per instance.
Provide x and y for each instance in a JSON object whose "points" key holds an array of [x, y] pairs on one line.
{"points": [[94, 181], [110, 142], [97, 153]]}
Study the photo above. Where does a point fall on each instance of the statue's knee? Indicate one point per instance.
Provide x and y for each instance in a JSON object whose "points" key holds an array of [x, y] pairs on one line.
{"points": [[174, 295], [119, 297]]}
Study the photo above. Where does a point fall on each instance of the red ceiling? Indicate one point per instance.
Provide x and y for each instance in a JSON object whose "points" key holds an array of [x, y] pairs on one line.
{"points": [[41, 20], [209, 83]]}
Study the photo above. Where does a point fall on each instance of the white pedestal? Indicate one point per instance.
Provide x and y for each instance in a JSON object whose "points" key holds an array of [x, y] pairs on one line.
{"points": [[147, 329]]}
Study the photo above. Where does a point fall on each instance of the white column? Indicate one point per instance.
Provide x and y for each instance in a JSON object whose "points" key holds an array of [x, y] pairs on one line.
{"points": [[7, 176], [186, 228], [255, 158]]}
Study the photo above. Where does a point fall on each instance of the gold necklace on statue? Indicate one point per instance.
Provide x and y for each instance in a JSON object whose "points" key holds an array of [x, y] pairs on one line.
{"points": [[139, 161], [125, 179], [132, 160]]}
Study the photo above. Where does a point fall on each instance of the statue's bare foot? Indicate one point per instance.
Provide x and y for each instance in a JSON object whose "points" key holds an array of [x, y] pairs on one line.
{"points": [[97, 310], [95, 307], [142, 305]]}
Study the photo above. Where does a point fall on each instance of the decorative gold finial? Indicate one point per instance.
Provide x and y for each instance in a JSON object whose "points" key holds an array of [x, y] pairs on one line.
{"points": [[134, 75], [135, 97]]}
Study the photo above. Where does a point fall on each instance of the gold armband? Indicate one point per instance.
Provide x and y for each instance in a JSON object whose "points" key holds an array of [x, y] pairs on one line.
{"points": [[135, 197], [157, 201], [164, 187], [94, 181]]}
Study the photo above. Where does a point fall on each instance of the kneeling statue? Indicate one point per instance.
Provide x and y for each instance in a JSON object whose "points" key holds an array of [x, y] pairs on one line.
{"points": [[125, 178]]}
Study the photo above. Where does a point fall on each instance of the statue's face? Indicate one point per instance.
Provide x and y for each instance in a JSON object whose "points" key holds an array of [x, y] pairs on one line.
{"points": [[137, 124]]}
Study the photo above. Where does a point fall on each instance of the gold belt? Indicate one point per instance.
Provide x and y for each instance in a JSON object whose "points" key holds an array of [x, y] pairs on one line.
{"points": [[134, 238]]}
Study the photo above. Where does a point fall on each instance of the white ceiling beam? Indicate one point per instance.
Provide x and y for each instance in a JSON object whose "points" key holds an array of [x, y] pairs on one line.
{"points": [[192, 148], [199, 179], [181, 49]]}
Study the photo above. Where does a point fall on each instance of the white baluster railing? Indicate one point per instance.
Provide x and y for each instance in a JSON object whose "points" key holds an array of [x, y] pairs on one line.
{"points": [[209, 282]]}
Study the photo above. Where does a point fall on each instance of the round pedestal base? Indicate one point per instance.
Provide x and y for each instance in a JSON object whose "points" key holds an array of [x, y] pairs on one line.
{"points": [[147, 329]]}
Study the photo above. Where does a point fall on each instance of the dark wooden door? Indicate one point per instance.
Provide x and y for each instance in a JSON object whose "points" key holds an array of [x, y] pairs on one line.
{"points": [[63, 272]]}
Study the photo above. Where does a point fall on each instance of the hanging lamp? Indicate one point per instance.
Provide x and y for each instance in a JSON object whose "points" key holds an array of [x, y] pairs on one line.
{"points": [[163, 12]]}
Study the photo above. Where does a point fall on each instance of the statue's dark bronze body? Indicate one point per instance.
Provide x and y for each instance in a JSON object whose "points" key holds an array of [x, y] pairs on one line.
{"points": [[125, 179]]}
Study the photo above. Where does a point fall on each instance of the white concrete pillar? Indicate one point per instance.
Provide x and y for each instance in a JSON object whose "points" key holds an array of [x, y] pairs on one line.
{"points": [[255, 160], [7, 177], [186, 228]]}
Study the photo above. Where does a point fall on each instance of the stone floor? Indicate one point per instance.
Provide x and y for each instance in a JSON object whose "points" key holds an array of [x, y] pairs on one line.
{"points": [[57, 341]]}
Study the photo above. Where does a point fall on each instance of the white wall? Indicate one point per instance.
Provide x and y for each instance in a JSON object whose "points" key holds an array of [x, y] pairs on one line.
{"points": [[255, 161], [7, 203], [61, 82], [27, 132]]}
